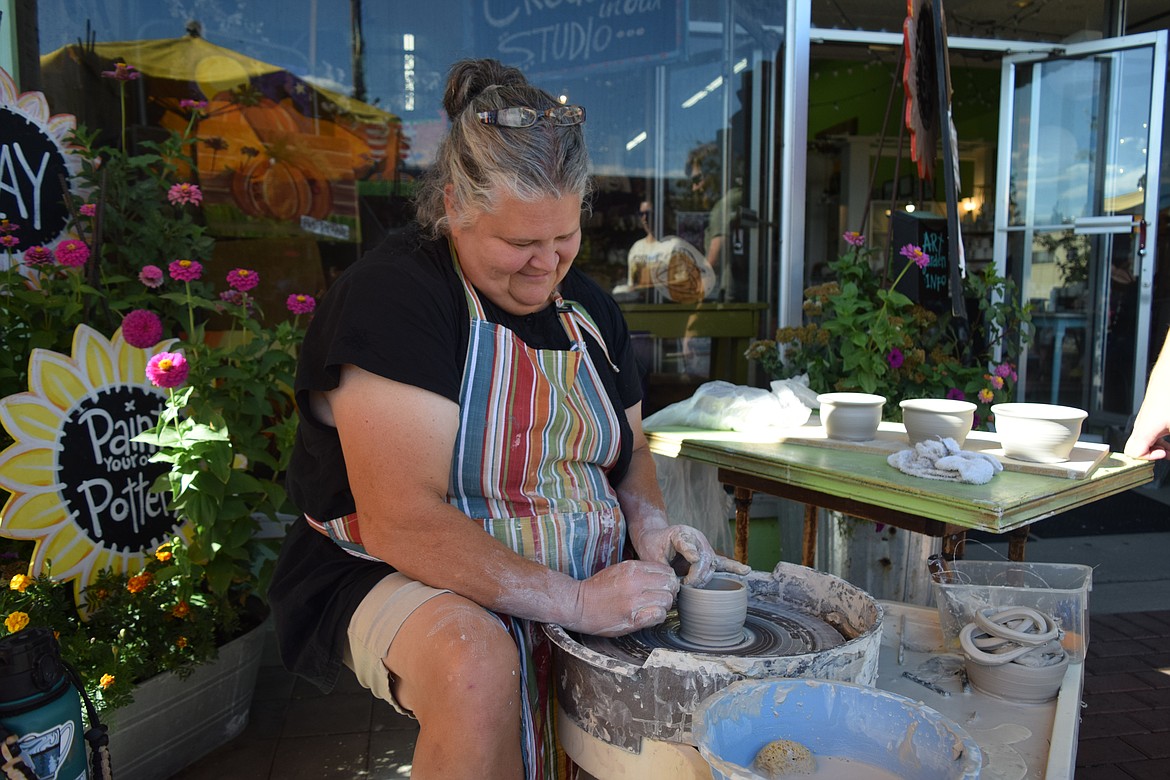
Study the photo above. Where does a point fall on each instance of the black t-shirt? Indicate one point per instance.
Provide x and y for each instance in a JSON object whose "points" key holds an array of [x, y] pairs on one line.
{"points": [[399, 312]]}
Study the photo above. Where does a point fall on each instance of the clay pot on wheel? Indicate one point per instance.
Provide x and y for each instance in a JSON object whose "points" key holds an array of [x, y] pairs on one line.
{"points": [[714, 614]]}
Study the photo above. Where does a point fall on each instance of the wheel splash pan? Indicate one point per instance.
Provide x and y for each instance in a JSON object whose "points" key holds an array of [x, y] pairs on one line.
{"points": [[801, 623]]}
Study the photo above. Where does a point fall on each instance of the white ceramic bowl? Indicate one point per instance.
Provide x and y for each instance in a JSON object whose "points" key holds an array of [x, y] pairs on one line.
{"points": [[930, 418], [1041, 433], [851, 416]]}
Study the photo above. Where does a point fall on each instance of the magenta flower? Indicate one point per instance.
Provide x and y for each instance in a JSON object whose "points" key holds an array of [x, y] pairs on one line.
{"points": [[151, 276], [301, 304], [986, 395], [955, 394], [7, 227], [38, 255], [185, 192], [915, 253], [185, 270], [895, 358], [167, 369], [9, 241], [88, 209], [1005, 371], [194, 105], [242, 279], [122, 72], [142, 328], [72, 253], [853, 238]]}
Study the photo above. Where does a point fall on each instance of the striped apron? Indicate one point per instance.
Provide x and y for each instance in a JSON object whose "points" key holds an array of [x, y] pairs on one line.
{"points": [[537, 434]]}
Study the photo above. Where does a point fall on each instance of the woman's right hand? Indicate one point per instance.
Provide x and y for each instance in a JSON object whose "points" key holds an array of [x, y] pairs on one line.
{"points": [[623, 598]]}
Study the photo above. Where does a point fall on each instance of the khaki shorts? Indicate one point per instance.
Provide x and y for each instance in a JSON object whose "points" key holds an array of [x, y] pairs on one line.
{"points": [[374, 625]]}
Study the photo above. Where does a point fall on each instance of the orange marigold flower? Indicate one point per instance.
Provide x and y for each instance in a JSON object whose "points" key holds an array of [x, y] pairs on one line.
{"points": [[19, 582], [106, 681], [181, 642], [16, 621], [181, 610], [138, 582]]}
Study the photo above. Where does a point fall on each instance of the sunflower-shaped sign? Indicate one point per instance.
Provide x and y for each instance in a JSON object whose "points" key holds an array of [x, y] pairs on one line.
{"points": [[920, 81], [80, 485]]}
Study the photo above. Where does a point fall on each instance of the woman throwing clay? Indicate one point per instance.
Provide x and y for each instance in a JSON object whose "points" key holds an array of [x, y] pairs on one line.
{"points": [[470, 458]]}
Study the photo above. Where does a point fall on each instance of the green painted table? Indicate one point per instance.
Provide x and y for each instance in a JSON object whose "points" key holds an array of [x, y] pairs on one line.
{"points": [[862, 484]]}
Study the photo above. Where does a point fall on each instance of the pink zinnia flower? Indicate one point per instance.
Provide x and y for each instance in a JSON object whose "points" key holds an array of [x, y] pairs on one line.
{"points": [[194, 105], [986, 395], [8, 227], [853, 238], [242, 279], [895, 358], [955, 394], [122, 72], [88, 209], [167, 369], [915, 253], [72, 253], [38, 255], [151, 276], [185, 270], [185, 192], [142, 328], [301, 304], [9, 241]]}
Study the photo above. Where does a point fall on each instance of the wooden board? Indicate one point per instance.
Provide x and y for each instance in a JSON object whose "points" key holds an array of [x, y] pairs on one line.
{"points": [[891, 437]]}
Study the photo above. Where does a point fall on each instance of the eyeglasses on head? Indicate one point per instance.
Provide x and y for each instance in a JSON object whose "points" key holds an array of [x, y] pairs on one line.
{"points": [[523, 116]]}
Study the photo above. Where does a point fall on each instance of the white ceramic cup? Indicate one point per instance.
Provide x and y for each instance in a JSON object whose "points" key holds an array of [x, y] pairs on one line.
{"points": [[928, 418], [851, 416], [714, 614]]}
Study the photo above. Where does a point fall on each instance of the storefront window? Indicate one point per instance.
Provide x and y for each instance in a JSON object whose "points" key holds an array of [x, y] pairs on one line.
{"points": [[321, 116]]}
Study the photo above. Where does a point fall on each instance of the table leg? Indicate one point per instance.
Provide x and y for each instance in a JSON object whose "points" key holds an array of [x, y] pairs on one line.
{"points": [[743, 515], [808, 553], [1017, 538], [954, 540]]}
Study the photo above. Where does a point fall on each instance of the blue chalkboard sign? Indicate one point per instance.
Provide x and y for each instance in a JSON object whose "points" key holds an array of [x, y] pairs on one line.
{"points": [[930, 286], [579, 35]]}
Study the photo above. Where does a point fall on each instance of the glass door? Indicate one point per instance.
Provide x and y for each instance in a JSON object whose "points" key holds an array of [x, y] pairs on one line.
{"points": [[1076, 214]]}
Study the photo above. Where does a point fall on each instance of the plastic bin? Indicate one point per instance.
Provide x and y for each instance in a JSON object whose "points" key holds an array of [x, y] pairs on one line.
{"points": [[1058, 589]]}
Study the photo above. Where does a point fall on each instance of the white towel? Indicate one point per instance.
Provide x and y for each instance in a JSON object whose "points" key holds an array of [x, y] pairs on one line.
{"points": [[944, 459]]}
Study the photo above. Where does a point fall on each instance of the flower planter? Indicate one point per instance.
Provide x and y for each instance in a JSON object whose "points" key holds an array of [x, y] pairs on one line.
{"points": [[174, 722]]}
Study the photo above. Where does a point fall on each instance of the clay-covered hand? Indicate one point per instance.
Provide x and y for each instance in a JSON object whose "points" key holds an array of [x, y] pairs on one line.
{"points": [[663, 544], [623, 598]]}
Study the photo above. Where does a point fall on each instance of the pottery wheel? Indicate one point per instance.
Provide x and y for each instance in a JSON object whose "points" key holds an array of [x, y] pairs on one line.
{"points": [[768, 631]]}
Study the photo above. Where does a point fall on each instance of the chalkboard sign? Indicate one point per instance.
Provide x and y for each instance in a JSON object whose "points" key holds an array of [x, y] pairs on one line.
{"points": [[930, 286], [35, 165], [579, 35]]}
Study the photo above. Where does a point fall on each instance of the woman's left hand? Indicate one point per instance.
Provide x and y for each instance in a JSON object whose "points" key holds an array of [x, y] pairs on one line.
{"points": [[663, 544]]}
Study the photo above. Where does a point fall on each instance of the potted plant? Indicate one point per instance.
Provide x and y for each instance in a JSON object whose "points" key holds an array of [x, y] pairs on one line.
{"points": [[215, 437], [861, 333]]}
